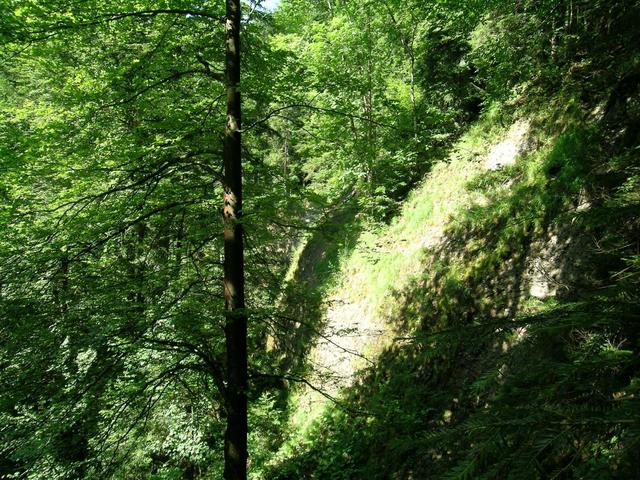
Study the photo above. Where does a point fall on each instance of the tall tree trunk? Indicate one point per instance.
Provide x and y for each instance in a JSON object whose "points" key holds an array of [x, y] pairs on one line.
{"points": [[412, 80], [235, 448]]}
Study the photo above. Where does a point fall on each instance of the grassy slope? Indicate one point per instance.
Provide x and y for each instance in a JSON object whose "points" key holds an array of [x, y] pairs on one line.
{"points": [[449, 283], [372, 273]]}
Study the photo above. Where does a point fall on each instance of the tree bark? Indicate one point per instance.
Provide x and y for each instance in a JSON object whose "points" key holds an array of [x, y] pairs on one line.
{"points": [[235, 449]]}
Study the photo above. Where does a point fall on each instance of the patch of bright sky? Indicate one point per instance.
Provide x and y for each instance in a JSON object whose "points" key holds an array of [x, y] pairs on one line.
{"points": [[270, 5]]}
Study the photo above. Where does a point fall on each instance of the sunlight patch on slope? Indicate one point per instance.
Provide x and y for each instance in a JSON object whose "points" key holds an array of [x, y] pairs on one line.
{"points": [[505, 153]]}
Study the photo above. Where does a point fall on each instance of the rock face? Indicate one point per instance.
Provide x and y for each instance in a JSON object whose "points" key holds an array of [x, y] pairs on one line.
{"points": [[559, 264], [350, 327], [544, 270], [514, 143], [553, 266]]}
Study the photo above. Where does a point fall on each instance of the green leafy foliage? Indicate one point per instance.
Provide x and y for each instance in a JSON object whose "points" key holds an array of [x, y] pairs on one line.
{"points": [[112, 330]]}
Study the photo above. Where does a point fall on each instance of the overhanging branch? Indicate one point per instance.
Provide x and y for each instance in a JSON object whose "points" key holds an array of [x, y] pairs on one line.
{"points": [[111, 17]]}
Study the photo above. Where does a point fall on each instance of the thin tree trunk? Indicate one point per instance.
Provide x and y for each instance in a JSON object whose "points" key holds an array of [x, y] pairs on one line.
{"points": [[235, 448], [412, 81], [368, 103], [285, 170]]}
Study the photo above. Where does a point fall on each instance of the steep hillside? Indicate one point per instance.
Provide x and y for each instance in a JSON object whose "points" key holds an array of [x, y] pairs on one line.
{"points": [[462, 340]]}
